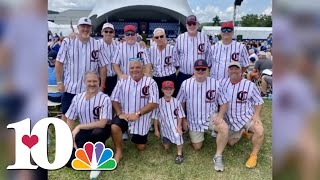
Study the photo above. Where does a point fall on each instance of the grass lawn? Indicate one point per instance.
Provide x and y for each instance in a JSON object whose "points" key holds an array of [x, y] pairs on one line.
{"points": [[155, 163]]}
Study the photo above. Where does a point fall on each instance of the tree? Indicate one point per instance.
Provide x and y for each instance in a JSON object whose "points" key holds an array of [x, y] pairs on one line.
{"points": [[216, 21], [253, 20]]}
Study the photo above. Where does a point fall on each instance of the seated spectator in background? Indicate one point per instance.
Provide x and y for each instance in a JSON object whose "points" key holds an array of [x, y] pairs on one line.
{"points": [[53, 97], [55, 45], [262, 64], [253, 54], [265, 81]]}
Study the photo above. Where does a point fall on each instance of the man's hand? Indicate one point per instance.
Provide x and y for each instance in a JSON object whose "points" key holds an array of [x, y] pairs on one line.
{"points": [[185, 124], [60, 87], [74, 133], [124, 116], [133, 117], [217, 120], [157, 133], [123, 76], [256, 119], [179, 130]]}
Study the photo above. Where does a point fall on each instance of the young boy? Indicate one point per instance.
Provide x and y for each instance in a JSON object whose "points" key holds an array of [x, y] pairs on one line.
{"points": [[169, 114]]}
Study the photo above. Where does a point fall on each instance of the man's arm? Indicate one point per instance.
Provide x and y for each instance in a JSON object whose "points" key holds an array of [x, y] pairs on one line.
{"points": [[223, 110], [148, 108], [257, 110], [70, 124], [116, 68], [117, 107], [98, 124], [59, 71], [103, 76]]}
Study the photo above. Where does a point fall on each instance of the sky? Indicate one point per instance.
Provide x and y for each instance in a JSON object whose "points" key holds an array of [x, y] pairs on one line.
{"points": [[205, 10]]}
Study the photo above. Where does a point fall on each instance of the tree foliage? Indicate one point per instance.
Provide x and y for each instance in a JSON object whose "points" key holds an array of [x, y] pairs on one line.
{"points": [[254, 20]]}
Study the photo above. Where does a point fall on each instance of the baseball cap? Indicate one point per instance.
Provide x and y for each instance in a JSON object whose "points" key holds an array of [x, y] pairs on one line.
{"points": [[262, 53], [107, 25], [52, 55], [228, 24], [192, 18], [129, 27], [200, 63], [84, 20], [166, 84], [235, 63]]}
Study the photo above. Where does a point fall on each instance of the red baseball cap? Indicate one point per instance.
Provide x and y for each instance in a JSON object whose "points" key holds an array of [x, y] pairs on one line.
{"points": [[228, 24], [200, 63], [166, 84], [129, 27]]}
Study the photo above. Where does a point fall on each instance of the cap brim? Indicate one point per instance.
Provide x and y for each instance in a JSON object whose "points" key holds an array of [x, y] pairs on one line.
{"points": [[85, 24], [234, 65], [201, 67]]}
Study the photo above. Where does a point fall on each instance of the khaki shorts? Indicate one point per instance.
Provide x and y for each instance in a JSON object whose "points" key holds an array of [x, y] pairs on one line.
{"points": [[237, 134], [197, 137]]}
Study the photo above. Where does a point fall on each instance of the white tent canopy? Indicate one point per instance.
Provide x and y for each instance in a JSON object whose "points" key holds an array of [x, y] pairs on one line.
{"points": [[64, 29], [246, 32]]}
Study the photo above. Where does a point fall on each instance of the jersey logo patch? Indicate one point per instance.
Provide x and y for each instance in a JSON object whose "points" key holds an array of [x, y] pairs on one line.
{"points": [[145, 92], [94, 55], [201, 48], [210, 96], [140, 55], [168, 61], [235, 56], [242, 97], [96, 112]]}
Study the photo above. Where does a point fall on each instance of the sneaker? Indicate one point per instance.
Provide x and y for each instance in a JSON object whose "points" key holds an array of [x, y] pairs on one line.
{"points": [[179, 159], [94, 175], [125, 136], [252, 161], [218, 163]]}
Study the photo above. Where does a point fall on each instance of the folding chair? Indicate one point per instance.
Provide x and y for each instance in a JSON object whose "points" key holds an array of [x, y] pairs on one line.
{"points": [[53, 107]]}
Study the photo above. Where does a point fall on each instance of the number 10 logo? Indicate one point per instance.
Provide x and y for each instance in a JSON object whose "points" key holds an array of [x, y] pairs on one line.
{"points": [[36, 144]]}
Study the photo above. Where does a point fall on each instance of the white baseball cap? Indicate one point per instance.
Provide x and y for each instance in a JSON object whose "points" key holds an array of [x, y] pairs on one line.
{"points": [[107, 25], [84, 20], [234, 63]]}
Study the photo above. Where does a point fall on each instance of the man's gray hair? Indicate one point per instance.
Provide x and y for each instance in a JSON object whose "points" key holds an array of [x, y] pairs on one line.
{"points": [[159, 29], [91, 72]]}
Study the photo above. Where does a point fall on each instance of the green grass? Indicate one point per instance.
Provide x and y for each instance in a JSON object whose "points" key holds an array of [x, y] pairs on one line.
{"points": [[155, 163]]}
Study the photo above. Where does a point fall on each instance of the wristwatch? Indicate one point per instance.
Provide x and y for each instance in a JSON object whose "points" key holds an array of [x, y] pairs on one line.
{"points": [[138, 113]]}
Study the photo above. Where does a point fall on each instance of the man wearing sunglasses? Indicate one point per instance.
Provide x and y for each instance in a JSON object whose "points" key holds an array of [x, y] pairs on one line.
{"points": [[108, 47], [75, 57], [161, 58], [190, 46], [202, 95], [225, 51], [127, 50]]}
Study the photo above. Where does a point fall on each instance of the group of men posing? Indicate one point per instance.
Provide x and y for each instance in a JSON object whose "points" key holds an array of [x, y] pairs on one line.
{"points": [[114, 87]]}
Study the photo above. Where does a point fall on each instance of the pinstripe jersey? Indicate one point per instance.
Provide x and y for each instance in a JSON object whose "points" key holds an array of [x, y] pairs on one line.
{"points": [[133, 96], [78, 58], [221, 55], [107, 51], [202, 99], [243, 96], [189, 49], [163, 62], [125, 52], [92, 110], [168, 114]]}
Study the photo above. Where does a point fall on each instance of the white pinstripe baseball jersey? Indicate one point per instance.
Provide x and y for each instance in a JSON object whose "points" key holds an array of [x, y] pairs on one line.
{"points": [[202, 99], [133, 96], [107, 51], [243, 96], [163, 62], [221, 55], [78, 58], [168, 114], [92, 110], [125, 52], [189, 49]]}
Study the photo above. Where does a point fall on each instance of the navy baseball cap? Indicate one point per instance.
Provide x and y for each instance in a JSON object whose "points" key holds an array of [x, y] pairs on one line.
{"points": [[201, 63]]}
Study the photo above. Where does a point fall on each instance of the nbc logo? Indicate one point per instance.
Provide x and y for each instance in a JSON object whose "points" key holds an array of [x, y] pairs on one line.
{"points": [[94, 157]]}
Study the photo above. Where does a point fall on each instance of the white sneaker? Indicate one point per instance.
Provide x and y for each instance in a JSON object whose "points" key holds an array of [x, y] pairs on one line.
{"points": [[214, 134], [94, 175], [125, 136]]}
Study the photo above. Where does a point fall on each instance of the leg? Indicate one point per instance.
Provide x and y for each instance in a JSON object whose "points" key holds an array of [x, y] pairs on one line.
{"points": [[257, 140], [81, 138], [234, 137], [180, 149], [197, 139], [222, 137], [140, 141], [101, 134], [166, 143], [264, 85], [118, 126]]}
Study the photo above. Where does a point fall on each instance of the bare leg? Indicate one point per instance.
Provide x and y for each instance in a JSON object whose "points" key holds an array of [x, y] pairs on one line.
{"points": [[116, 134]]}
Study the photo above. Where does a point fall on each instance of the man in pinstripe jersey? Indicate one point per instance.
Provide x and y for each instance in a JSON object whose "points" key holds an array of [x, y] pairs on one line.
{"points": [[244, 110], [200, 96], [190, 46], [75, 57], [133, 100], [94, 109], [225, 51], [162, 60]]}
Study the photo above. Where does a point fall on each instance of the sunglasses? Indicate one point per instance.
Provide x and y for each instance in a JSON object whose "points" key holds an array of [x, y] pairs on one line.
{"points": [[110, 32], [134, 59], [191, 23], [201, 69], [226, 30], [157, 37], [130, 34]]}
